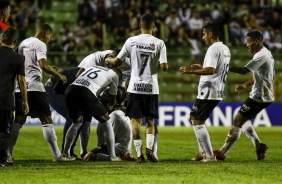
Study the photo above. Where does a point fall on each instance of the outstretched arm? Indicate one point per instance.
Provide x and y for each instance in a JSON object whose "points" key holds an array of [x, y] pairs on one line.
{"points": [[50, 70], [240, 70], [196, 69], [113, 62]]}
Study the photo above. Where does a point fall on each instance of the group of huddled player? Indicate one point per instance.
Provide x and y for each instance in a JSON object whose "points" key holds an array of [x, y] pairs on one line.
{"points": [[98, 88]]}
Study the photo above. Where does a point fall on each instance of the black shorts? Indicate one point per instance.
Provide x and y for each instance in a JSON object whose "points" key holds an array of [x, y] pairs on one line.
{"points": [[38, 104], [6, 120], [202, 109], [251, 108], [140, 105], [81, 101]]}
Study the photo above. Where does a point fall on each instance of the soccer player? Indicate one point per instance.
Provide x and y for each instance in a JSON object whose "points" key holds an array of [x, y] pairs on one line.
{"points": [[4, 14], [12, 67], [81, 99], [55, 93], [146, 54], [261, 95], [122, 130], [211, 87], [34, 51]]}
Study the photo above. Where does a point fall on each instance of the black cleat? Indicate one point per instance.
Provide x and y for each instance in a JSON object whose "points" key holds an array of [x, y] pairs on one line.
{"points": [[141, 159], [151, 157]]}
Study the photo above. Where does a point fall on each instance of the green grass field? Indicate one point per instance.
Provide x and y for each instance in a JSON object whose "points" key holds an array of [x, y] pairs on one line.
{"points": [[33, 161]]}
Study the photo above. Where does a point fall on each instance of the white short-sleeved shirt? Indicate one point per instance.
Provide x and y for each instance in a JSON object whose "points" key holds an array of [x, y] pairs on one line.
{"points": [[262, 66], [145, 52], [122, 130], [97, 79], [33, 50], [211, 87], [95, 59]]}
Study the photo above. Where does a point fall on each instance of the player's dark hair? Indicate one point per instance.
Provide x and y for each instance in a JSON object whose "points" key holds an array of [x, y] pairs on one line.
{"points": [[255, 34], [45, 28], [213, 28], [147, 21], [9, 36]]}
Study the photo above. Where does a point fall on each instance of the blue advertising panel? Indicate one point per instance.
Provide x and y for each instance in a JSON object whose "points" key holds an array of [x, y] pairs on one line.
{"points": [[177, 114]]}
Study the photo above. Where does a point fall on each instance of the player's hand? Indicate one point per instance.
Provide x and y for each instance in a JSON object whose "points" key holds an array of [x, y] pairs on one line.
{"points": [[185, 70], [196, 66], [239, 88], [63, 78], [25, 107]]}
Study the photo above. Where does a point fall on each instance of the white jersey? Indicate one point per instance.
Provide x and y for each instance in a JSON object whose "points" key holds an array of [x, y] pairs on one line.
{"points": [[95, 59], [124, 78], [145, 52], [122, 130], [33, 50], [262, 66], [211, 87], [97, 79]]}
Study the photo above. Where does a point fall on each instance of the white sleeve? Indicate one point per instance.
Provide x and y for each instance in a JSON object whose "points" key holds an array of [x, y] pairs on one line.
{"points": [[41, 51], [114, 83], [163, 54], [256, 62], [124, 52]]}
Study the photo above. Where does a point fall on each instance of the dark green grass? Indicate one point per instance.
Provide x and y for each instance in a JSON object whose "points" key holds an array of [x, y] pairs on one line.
{"points": [[33, 161]]}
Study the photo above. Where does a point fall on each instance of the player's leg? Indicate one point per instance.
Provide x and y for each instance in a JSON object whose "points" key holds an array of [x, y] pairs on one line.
{"points": [[6, 118], [155, 145], [19, 120], [50, 135], [71, 135], [133, 110], [200, 112], [84, 135], [233, 135], [150, 137], [249, 131]]}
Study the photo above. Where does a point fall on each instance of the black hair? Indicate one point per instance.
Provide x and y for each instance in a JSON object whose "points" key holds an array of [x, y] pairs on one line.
{"points": [[213, 28], [46, 28], [4, 4], [255, 34], [147, 20], [9, 36]]}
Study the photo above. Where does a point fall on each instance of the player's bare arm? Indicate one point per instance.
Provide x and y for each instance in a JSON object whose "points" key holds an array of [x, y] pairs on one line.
{"points": [[243, 86], [239, 70], [79, 72], [113, 62], [22, 85], [197, 71], [48, 69]]}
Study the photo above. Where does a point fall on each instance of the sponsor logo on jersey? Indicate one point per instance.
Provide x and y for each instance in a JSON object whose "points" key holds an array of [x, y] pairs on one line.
{"points": [[150, 47], [143, 87], [82, 82]]}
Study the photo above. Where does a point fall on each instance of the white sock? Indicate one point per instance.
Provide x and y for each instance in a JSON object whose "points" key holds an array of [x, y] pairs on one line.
{"points": [[51, 138], [232, 137], [155, 146], [12, 140], [150, 141], [204, 140], [201, 149], [249, 131], [138, 147], [84, 136], [109, 137], [70, 136]]}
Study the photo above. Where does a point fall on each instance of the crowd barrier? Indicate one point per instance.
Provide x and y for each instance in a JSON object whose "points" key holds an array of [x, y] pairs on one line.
{"points": [[177, 114]]}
